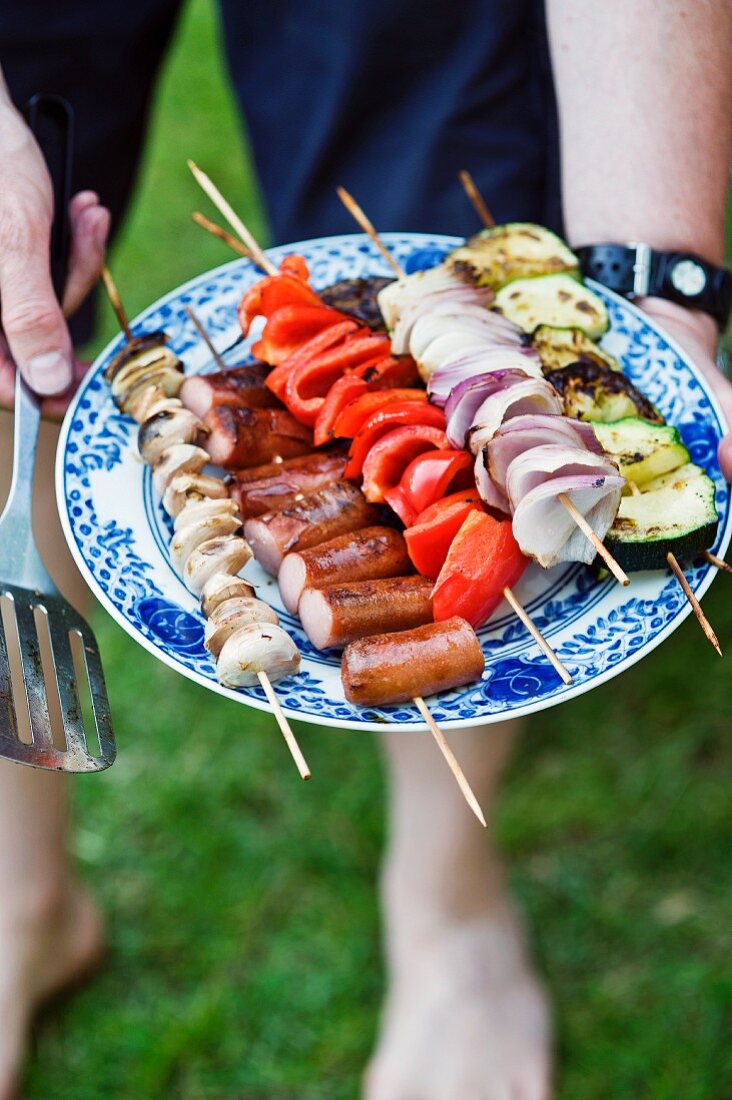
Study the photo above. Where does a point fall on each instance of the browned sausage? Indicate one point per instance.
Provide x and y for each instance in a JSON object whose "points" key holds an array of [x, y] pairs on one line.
{"points": [[273, 487], [242, 387], [340, 613], [321, 515], [393, 668], [251, 437], [363, 555]]}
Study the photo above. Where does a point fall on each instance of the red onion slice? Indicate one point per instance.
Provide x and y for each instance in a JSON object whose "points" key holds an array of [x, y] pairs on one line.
{"points": [[487, 488], [468, 396], [534, 395], [465, 365]]}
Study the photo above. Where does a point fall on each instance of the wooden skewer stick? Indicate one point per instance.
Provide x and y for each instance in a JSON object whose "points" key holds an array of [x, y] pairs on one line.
{"points": [[257, 254], [113, 294], [695, 605], [720, 563], [536, 634], [450, 759], [587, 531], [476, 199], [221, 234], [360, 217], [681, 578], [206, 339], [289, 736]]}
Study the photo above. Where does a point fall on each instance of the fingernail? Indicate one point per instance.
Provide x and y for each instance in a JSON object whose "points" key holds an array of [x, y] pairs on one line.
{"points": [[49, 373]]}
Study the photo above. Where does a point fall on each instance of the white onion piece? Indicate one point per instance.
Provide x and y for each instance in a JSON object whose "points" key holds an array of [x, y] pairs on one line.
{"points": [[487, 488], [483, 360], [532, 396], [444, 347], [523, 433], [541, 464], [438, 323], [544, 528], [395, 298]]}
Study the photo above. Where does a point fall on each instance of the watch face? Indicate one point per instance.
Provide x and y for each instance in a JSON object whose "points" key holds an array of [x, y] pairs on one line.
{"points": [[688, 278]]}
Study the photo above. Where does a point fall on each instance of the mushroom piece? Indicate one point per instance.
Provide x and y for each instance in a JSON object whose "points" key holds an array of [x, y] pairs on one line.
{"points": [[230, 615], [198, 509], [164, 404], [193, 535], [164, 428], [187, 487], [220, 588], [168, 379], [255, 648], [180, 458], [141, 406], [222, 554]]}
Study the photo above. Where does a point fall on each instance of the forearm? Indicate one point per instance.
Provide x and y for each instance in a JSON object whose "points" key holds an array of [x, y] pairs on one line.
{"points": [[645, 103]]}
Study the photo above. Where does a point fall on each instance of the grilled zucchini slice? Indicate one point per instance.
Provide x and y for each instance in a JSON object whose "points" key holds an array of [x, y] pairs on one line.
{"points": [[558, 347], [676, 514], [557, 300], [518, 250], [643, 451], [592, 391]]}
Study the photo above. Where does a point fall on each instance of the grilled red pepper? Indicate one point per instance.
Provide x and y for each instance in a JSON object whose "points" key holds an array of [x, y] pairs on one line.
{"points": [[289, 327], [385, 374], [483, 559], [328, 338], [427, 479], [309, 382], [431, 535], [274, 291], [355, 415], [391, 455], [396, 415]]}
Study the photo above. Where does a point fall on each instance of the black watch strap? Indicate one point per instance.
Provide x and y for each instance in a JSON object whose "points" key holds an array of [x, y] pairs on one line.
{"points": [[638, 271]]}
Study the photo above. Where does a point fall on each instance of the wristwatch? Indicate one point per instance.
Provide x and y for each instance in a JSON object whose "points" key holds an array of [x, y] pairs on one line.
{"points": [[636, 270]]}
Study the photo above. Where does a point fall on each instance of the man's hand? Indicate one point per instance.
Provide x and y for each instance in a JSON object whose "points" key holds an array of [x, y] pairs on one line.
{"points": [[33, 332], [697, 333]]}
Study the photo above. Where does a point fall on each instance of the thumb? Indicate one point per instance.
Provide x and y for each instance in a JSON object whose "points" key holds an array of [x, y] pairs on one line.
{"points": [[31, 316]]}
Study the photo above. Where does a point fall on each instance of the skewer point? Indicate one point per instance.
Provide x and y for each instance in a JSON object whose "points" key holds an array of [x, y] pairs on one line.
{"points": [[289, 736], [695, 605], [536, 634], [450, 759]]}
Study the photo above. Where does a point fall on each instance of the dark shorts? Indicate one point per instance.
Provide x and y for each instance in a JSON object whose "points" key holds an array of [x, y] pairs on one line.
{"points": [[389, 97]]}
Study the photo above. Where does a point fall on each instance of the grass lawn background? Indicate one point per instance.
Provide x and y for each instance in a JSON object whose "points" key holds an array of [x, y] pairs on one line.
{"points": [[244, 957]]}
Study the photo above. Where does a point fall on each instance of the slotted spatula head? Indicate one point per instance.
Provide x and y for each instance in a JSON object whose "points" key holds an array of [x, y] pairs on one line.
{"points": [[47, 650]]}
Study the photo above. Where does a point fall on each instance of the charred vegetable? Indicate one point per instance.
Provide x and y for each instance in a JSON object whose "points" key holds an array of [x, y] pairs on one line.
{"points": [[676, 513], [358, 298], [592, 391], [561, 301], [144, 362], [642, 451], [558, 347], [518, 250]]}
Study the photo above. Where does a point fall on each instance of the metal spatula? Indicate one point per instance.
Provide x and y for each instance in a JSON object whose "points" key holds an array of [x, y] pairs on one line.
{"points": [[40, 633]]}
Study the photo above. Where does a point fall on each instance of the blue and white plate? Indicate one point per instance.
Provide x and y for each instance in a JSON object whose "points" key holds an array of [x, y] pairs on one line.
{"points": [[119, 534]]}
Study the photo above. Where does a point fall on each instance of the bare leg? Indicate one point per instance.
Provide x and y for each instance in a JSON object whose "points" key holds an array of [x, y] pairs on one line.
{"points": [[465, 1018], [49, 931]]}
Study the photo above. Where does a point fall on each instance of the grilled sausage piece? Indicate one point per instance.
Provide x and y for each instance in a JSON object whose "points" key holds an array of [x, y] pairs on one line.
{"points": [[321, 515], [393, 668], [241, 387], [275, 486], [365, 555], [251, 437], [341, 613]]}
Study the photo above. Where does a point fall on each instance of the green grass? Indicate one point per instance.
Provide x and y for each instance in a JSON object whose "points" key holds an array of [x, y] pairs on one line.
{"points": [[244, 957]]}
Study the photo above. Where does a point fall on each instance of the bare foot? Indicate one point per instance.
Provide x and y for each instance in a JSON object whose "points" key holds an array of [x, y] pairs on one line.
{"points": [[465, 1018], [39, 958]]}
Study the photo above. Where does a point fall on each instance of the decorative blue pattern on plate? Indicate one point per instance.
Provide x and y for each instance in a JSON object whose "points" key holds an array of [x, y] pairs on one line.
{"points": [[119, 533]]}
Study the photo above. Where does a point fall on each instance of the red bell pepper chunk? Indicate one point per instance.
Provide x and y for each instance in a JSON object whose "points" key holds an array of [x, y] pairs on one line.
{"points": [[383, 420], [289, 327], [483, 559], [277, 379], [355, 415], [428, 478], [275, 291], [389, 457], [429, 538], [310, 381], [381, 375]]}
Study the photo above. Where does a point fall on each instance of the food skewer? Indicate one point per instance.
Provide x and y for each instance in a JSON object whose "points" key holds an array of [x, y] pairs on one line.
{"points": [[681, 578], [257, 253], [718, 563], [619, 574], [264, 680], [476, 199], [360, 217], [221, 234], [286, 729], [450, 759]]}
